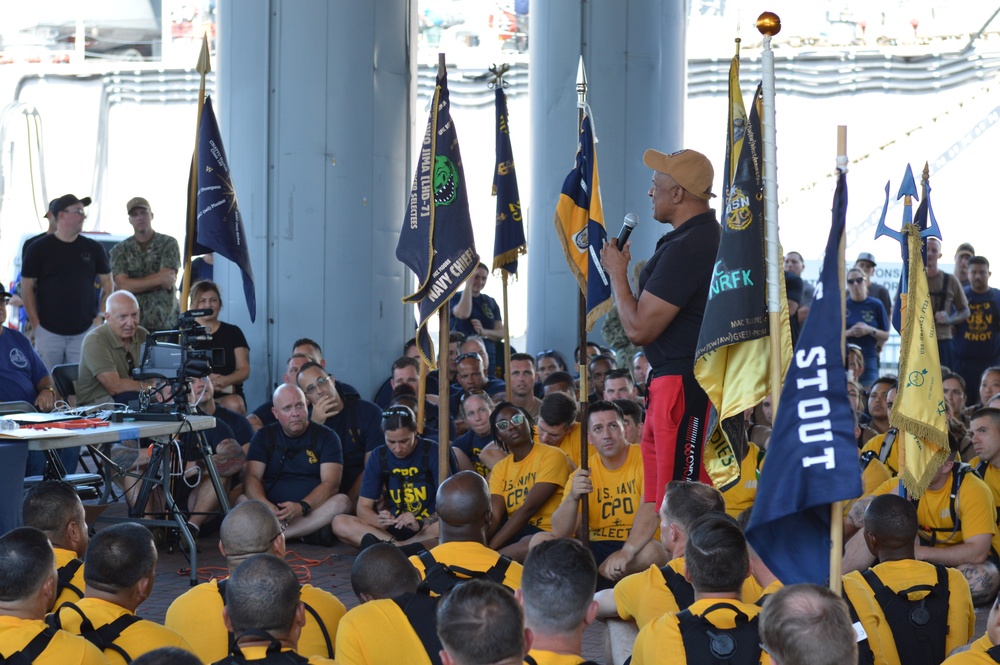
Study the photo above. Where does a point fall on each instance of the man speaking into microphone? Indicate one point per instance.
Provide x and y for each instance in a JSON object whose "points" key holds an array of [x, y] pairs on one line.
{"points": [[665, 316]]}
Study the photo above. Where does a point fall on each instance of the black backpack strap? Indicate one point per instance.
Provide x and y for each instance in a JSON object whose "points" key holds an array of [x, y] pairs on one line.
{"points": [[706, 643], [680, 587], [890, 438], [421, 611], [273, 656], [322, 628], [105, 636], [865, 654], [866, 459], [32, 650], [498, 571], [66, 574], [958, 474], [994, 653], [383, 463]]}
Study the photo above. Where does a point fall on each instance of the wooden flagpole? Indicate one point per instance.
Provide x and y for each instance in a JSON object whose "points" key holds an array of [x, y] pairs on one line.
{"points": [[581, 91], [837, 507]]}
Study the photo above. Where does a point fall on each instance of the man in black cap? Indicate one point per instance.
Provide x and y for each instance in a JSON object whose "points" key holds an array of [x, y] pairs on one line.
{"points": [[866, 264], [665, 318], [57, 284]]}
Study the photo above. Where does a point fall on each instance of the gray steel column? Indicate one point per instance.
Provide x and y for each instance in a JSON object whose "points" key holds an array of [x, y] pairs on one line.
{"points": [[315, 107], [635, 58]]}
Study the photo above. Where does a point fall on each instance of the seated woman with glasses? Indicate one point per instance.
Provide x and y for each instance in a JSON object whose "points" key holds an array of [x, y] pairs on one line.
{"points": [[476, 408], [398, 487], [867, 324], [526, 485]]}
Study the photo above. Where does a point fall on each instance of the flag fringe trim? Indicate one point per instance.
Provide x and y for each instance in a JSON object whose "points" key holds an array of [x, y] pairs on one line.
{"points": [[596, 313], [509, 257], [917, 486]]}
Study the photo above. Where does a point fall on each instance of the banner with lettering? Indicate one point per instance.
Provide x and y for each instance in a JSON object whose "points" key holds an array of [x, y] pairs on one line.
{"points": [[812, 459], [436, 241], [508, 241]]}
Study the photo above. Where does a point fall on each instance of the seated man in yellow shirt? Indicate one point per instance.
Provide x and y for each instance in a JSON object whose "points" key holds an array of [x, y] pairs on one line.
{"points": [[28, 589], [381, 629], [557, 593], [948, 619], [54, 507], [612, 484], [481, 622], [464, 512], [264, 611], [121, 566], [717, 565], [250, 528]]}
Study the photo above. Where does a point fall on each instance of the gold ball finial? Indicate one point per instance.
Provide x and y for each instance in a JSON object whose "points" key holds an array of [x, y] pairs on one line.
{"points": [[768, 24]]}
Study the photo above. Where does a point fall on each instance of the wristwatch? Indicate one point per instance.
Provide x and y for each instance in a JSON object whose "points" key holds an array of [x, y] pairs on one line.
{"points": [[306, 508]]}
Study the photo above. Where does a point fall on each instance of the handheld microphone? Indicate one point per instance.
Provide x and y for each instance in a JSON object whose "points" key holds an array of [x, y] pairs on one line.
{"points": [[631, 221]]}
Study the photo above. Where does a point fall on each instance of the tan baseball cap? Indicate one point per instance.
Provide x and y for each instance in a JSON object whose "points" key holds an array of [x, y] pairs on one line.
{"points": [[689, 168], [137, 202]]}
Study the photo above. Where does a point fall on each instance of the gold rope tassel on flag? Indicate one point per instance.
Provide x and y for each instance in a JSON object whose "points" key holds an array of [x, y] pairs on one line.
{"points": [[919, 410]]}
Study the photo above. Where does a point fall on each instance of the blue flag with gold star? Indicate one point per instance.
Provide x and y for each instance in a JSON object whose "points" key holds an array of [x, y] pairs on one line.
{"points": [[220, 225], [436, 241]]}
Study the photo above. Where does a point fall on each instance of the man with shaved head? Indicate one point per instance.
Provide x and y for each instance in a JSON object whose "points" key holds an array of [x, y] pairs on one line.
{"points": [[250, 528], [294, 467], [463, 506], [110, 353], [949, 621]]}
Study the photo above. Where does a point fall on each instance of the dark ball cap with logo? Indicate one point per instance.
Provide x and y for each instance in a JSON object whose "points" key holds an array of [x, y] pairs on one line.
{"points": [[65, 201], [689, 168]]}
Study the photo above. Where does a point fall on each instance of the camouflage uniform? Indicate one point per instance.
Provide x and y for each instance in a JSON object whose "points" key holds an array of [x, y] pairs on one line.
{"points": [[158, 309]]}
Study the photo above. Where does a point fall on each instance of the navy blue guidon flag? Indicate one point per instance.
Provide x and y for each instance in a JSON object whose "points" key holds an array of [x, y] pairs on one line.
{"points": [[436, 240], [509, 242], [579, 221], [812, 460], [220, 225]]}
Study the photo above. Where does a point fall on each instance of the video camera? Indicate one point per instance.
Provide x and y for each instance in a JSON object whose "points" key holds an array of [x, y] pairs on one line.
{"points": [[168, 354]]}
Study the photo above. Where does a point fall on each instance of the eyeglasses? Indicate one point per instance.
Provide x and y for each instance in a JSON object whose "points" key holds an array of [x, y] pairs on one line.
{"points": [[472, 393], [856, 280], [468, 355], [81, 212], [404, 414], [516, 420], [281, 529], [321, 381], [130, 361]]}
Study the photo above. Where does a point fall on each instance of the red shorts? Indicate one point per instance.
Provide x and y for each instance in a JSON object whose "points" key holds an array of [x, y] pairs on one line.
{"points": [[673, 437]]}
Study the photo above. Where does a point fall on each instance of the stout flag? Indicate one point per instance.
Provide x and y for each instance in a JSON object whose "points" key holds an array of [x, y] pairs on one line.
{"points": [[734, 345], [579, 222], [436, 240], [509, 241], [220, 225], [812, 460]]}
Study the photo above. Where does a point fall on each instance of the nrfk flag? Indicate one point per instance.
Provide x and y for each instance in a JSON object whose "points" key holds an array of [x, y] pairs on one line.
{"points": [[579, 222], [509, 242], [812, 460], [436, 240], [733, 350], [220, 225], [919, 410]]}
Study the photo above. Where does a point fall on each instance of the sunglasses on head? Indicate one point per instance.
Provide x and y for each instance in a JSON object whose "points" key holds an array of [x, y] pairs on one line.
{"points": [[515, 420]]}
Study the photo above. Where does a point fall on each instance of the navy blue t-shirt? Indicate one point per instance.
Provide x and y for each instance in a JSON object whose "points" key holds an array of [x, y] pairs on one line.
{"points": [[472, 444], [293, 464], [979, 336], [870, 311], [411, 488]]}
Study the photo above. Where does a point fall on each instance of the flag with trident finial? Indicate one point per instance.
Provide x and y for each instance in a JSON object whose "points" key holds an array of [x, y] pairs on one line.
{"points": [[919, 411]]}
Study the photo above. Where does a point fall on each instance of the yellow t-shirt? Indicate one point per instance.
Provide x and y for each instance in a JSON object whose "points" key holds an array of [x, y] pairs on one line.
{"points": [[991, 477], [970, 658], [899, 575], [973, 505], [553, 658], [197, 615], [570, 445], [471, 556], [875, 444], [644, 596], [513, 480], [660, 641], [741, 496], [378, 632], [139, 638], [64, 649], [872, 475], [68, 595], [984, 643], [616, 497]]}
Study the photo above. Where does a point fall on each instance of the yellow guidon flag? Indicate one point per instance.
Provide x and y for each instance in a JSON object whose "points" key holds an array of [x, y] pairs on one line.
{"points": [[919, 409], [734, 347]]}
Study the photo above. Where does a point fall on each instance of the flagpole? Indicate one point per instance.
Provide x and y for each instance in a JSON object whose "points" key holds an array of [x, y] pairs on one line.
{"points": [[837, 507], [444, 394], [768, 24], [581, 93], [203, 67]]}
